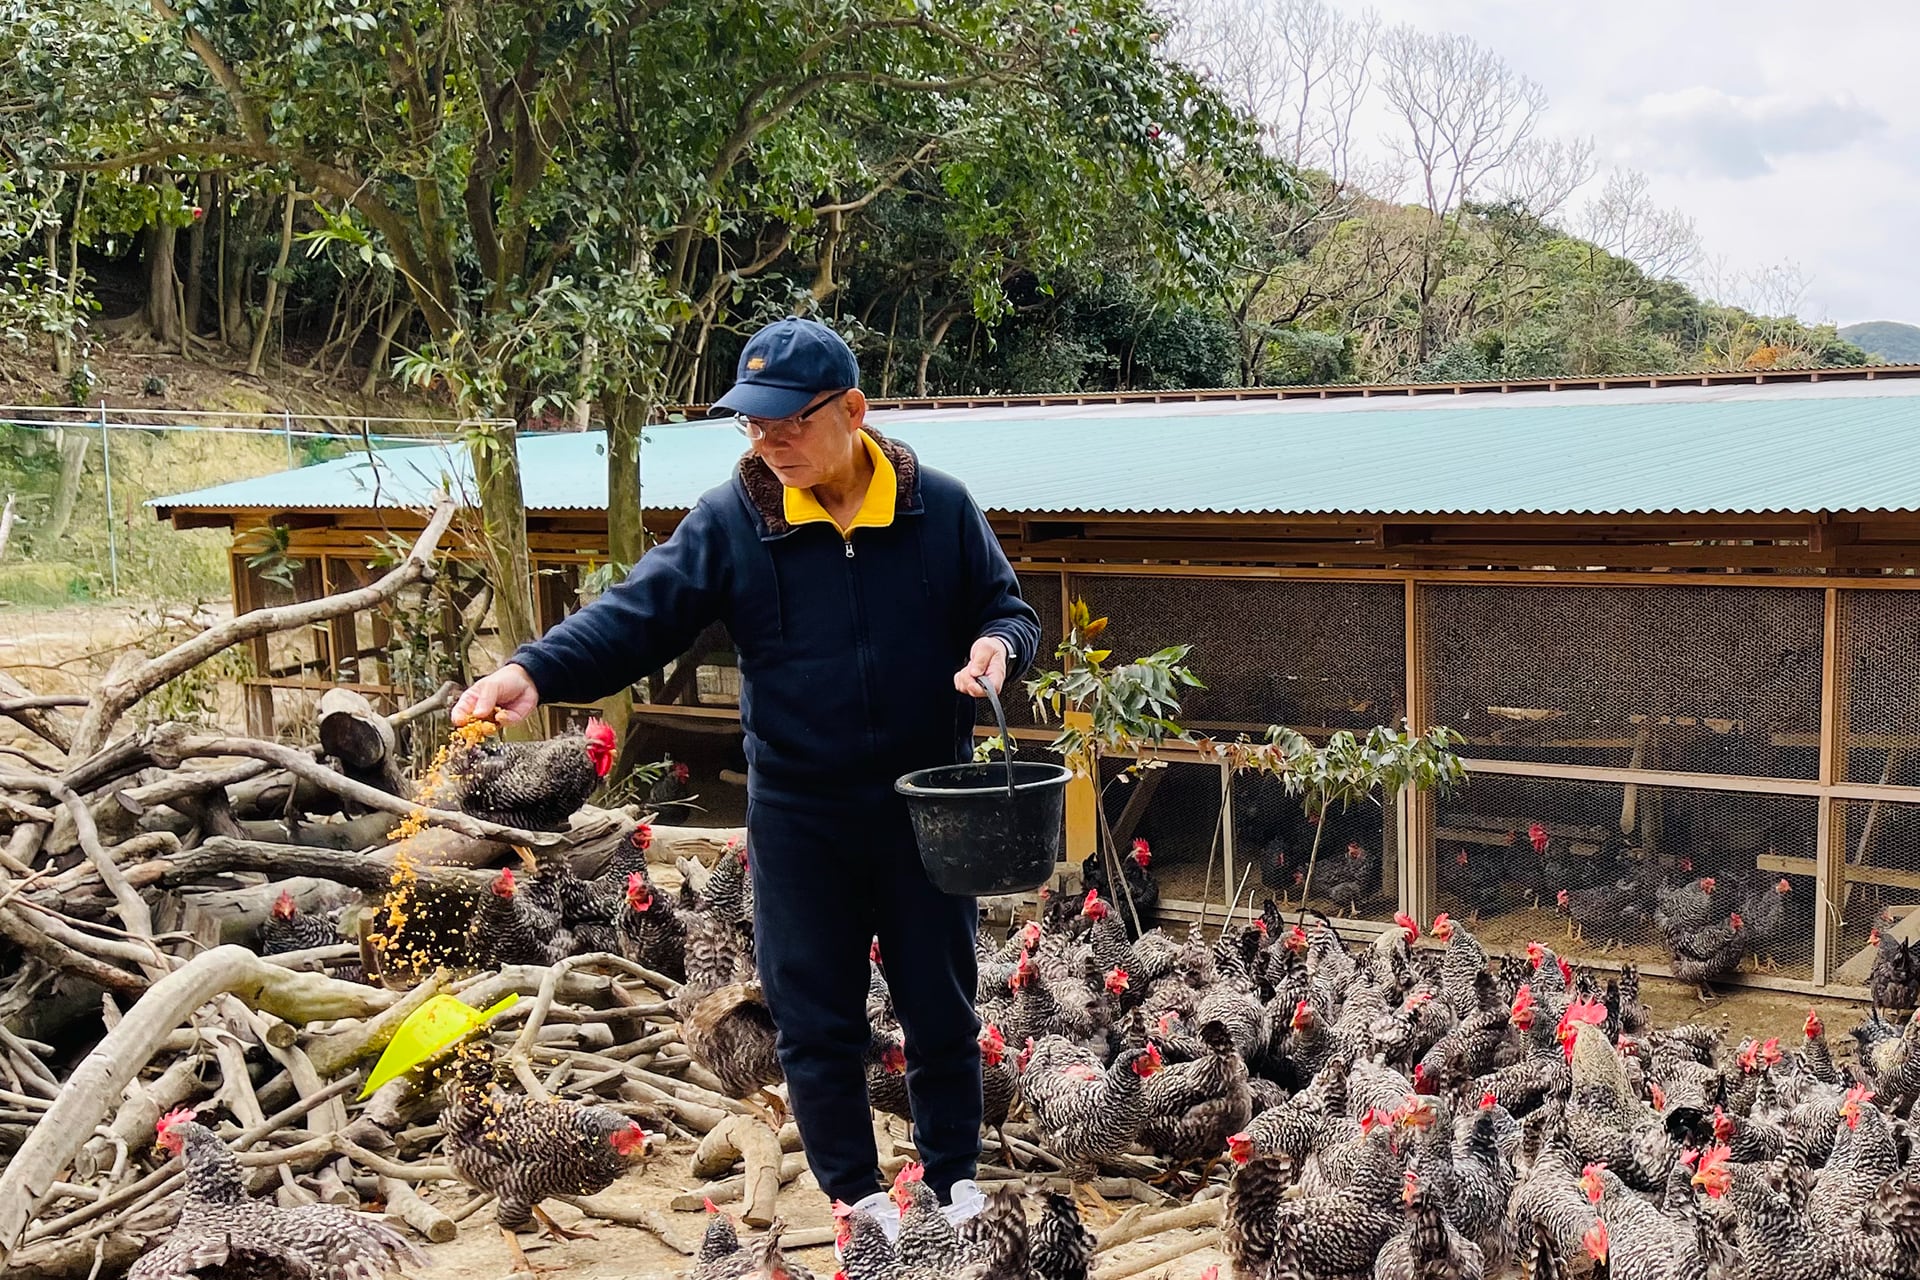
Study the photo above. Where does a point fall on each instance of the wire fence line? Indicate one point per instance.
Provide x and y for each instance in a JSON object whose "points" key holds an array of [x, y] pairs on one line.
{"points": [[310, 438]]}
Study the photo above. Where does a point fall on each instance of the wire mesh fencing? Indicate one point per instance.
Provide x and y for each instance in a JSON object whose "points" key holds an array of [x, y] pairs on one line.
{"points": [[1699, 679], [1592, 869]]}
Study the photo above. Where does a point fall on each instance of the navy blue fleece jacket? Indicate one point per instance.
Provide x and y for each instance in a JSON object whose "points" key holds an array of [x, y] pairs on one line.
{"points": [[847, 647]]}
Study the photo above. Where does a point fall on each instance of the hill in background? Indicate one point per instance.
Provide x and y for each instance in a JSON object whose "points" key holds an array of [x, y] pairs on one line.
{"points": [[1892, 341]]}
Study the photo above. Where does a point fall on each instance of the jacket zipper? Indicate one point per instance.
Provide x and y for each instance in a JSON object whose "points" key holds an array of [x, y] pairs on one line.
{"points": [[861, 655]]}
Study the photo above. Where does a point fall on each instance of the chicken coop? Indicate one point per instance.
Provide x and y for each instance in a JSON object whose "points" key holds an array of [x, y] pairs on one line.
{"points": [[1675, 621]]}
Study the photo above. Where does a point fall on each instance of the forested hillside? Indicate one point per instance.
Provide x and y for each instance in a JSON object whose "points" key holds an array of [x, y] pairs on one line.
{"points": [[1892, 341]]}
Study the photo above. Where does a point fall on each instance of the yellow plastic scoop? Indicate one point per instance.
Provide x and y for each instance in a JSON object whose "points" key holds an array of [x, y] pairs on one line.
{"points": [[430, 1030]]}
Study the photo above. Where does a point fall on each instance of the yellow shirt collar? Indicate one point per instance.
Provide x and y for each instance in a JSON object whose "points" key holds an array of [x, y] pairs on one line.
{"points": [[876, 509]]}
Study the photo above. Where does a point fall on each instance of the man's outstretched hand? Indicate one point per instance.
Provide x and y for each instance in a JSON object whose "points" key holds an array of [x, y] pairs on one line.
{"points": [[505, 696], [986, 661]]}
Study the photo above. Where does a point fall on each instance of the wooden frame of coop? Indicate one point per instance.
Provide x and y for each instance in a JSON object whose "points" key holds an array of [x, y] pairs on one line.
{"points": [[1720, 690]]}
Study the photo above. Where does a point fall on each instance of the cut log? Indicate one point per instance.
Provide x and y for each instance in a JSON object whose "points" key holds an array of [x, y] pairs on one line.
{"points": [[748, 1140], [732, 1187], [404, 1203]]}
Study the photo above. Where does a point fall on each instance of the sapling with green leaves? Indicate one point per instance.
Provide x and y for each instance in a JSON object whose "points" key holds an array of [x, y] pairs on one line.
{"points": [[1130, 709], [1347, 770]]}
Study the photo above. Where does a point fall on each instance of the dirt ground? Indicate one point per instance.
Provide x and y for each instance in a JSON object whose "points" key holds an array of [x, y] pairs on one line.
{"points": [[619, 1251]]}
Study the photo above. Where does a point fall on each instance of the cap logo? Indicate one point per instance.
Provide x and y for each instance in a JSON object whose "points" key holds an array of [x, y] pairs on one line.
{"points": [[756, 363]]}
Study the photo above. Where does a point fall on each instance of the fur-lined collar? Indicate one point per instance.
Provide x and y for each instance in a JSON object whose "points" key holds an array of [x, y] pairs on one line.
{"points": [[766, 495]]}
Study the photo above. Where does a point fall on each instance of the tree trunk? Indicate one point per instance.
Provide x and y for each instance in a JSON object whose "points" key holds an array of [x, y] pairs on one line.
{"points": [[273, 284], [197, 258], [163, 294], [396, 317], [503, 526], [73, 457], [236, 327], [626, 417], [933, 343]]}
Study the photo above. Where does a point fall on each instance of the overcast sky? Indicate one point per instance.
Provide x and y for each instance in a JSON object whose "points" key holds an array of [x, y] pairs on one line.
{"points": [[1787, 131]]}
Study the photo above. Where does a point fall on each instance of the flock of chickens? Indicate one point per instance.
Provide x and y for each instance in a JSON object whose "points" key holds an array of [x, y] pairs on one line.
{"points": [[1393, 1110]]}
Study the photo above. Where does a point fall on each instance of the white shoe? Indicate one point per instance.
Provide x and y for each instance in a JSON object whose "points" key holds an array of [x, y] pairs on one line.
{"points": [[967, 1201], [884, 1211]]}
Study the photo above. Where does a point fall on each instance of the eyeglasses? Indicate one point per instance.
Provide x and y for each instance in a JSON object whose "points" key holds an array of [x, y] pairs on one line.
{"points": [[782, 430]]}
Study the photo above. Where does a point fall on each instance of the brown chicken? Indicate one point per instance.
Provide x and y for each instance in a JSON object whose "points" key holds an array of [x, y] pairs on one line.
{"points": [[223, 1232], [730, 1032], [524, 1150]]}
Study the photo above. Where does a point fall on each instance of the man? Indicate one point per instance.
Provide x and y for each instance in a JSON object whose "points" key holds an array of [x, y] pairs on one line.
{"points": [[866, 595]]}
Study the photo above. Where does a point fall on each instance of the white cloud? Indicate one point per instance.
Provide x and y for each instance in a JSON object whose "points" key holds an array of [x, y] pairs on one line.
{"points": [[1707, 131]]}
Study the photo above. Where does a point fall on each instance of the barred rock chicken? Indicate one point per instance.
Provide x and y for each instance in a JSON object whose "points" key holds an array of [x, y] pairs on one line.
{"points": [[927, 1239], [1429, 1248], [1192, 1107], [653, 932], [1081, 1111], [1764, 913], [511, 927], [287, 928], [999, 1086], [1706, 956], [523, 1150], [723, 1014], [535, 786], [222, 1232], [1060, 1246]]}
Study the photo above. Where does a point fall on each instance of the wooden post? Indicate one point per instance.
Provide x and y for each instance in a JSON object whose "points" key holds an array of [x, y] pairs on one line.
{"points": [[1083, 795], [1415, 809], [1830, 840], [259, 697]]}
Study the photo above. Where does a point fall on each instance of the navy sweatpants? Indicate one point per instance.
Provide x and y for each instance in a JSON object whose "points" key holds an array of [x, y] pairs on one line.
{"points": [[826, 881]]}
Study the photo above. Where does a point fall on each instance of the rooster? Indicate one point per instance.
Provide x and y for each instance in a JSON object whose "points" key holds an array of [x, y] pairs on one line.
{"points": [[222, 1231], [1895, 977], [1139, 885], [670, 792], [535, 786], [1191, 1107], [523, 1151]]}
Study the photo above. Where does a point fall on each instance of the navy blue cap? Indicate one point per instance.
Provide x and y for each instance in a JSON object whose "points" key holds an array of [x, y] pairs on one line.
{"points": [[787, 364]]}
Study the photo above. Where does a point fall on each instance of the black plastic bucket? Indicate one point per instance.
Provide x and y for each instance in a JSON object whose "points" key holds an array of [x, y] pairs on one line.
{"points": [[986, 829]]}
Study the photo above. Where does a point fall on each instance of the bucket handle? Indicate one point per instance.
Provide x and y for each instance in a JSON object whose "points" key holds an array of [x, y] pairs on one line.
{"points": [[1000, 719]]}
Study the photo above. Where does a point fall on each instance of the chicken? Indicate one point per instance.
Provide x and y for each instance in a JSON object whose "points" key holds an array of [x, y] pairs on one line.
{"points": [[1193, 1106], [1685, 908], [1764, 912], [1060, 1246], [1081, 1111], [996, 1242], [1473, 877], [1429, 1249], [287, 928], [224, 1232], [1250, 1222], [652, 928], [535, 786], [524, 1150], [730, 1032], [1344, 1231], [1895, 977], [1463, 962], [1348, 881], [999, 1086], [727, 894], [1816, 1055], [510, 928], [1610, 910], [1140, 889], [926, 1238], [1705, 956], [886, 1064], [629, 856], [669, 793], [861, 1243]]}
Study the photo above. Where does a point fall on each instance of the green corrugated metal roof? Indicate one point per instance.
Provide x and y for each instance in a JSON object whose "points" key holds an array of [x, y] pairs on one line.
{"points": [[1769, 449]]}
